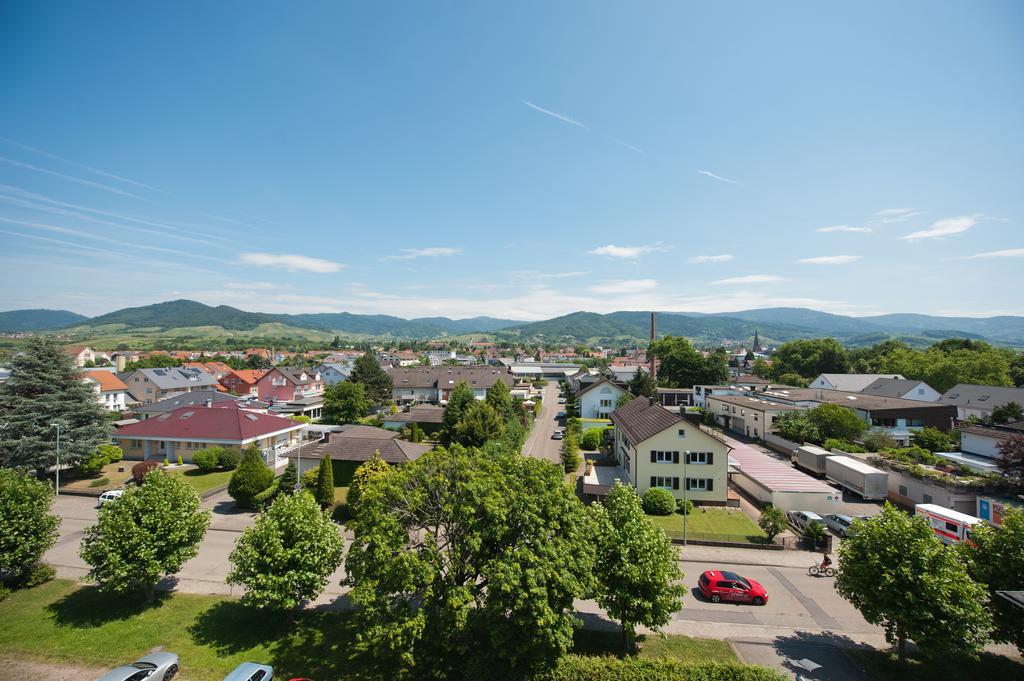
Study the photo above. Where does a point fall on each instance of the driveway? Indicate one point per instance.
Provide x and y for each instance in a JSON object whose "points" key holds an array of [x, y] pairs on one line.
{"points": [[539, 444]]}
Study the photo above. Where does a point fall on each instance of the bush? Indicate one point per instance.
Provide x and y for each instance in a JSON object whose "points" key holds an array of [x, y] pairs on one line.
{"points": [[40, 573], [206, 460], [843, 445], [934, 440], [876, 441], [580, 668], [264, 498], [815, 534], [657, 501], [309, 478], [111, 453], [179, 460], [684, 506], [99, 482], [92, 464], [228, 458], [140, 470], [912, 454], [324, 490], [591, 440], [250, 478]]}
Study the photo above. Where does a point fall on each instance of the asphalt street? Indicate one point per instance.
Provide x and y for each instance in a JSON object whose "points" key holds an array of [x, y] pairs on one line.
{"points": [[539, 443]]}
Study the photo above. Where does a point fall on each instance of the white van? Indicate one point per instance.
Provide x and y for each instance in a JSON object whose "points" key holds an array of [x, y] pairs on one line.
{"points": [[801, 519], [109, 496]]}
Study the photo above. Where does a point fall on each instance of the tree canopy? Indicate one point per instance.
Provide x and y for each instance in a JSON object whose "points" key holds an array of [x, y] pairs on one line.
{"points": [[459, 400], [27, 529], [367, 371], [997, 561], [345, 402], [682, 366], [836, 421], [466, 564], [479, 424], [809, 357], [46, 388], [943, 365]]}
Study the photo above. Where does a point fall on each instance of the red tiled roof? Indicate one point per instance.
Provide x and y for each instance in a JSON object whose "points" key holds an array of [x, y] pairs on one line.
{"points": [[204, 423], [108, 380]]}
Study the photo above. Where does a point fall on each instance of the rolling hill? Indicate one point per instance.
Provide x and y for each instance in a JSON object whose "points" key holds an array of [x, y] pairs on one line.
{"points": [[38, 320]]}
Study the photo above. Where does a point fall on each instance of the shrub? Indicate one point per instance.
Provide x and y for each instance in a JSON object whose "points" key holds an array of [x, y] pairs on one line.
{"points": [[99, 482], [324, 490], [4, 592], [934, 440], [591, 439], [876, 441], [684, 506], [111, 453], [140, 470], [228, 458], [815, 534], [40, 573], [657, 501], [92, 464], [250, 478], [179, 461], [309, 478], [264, 498], [772, 521], [844, 446], [205, 459], [606, 668]]}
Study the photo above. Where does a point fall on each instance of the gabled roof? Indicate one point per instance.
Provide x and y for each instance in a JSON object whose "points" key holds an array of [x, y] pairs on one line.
{"points": [[853, 382], [446, 377], [359, 443], [602, 381], [202, 423], [1000, 432], [891, 387], [981, 396], [639, 419], [176, 377], [250, 376], [194, 398], [419, 413], [295, 374], [107, 380]]}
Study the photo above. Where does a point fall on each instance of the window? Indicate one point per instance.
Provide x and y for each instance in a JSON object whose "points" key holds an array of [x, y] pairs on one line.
{"points": [[606, 403], [915, 423], [920, 391], [903, 490], [952, 527], [927, 498], [755, 417], [682, 432], [664, 457], [883, 422], [700, 484], [700, 457], [664, 482], [743, 412], [725, 407]]}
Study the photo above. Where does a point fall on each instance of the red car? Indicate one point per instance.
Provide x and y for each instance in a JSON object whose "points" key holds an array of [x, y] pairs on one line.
{"points": [[728, 586]]}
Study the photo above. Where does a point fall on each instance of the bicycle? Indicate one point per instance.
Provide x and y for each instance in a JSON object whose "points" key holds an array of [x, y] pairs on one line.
{"points": [[818, 571]]}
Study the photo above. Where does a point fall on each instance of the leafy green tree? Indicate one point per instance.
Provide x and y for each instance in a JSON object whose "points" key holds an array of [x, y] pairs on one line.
{"points": [[367, 371], [479, 424], [642, 384], [772, 522], [1016, 370], [934, 440], [324, 491], [146, 534], [797, 426], [27, 529], [997, 561], [809, 357], [761, 368], [682, 366], [250, 478], [833, 420], [288, 480], [795, 380], [345, 402], [636, 570], [902, 578], [459, 400], [591, 440], [570, 452], [92, 464], [1011, 456], [447, 598], [1007, 413], [500, 399], [286, 557], [367, 474], [45, 388], [877, 441], [623, 400]]}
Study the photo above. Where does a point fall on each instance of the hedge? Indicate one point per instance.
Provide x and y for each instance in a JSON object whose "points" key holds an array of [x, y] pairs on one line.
{"points": [[580, 668], [658, 501]]}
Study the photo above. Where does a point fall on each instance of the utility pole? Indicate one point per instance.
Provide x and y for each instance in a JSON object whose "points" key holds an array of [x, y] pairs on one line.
{"points": [[56, 487]]}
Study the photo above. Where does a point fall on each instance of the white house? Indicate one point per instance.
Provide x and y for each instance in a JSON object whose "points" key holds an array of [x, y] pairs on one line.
{"points": [[848, 382], [902, 388], [110, 390], [982, 440], [980, 400], [599, 399]]}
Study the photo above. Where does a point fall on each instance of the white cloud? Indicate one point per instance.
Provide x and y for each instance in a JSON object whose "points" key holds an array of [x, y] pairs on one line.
{"points": [[830, 260], [291, 263], [1007, 253], [252, 286], [699, 259], [91, 169], [845, 228], [69, 178], [945, 227], [750, 279], [890, 215], [554, 114], [624, 286], [431, 252], [628, 252], [713, 176], [628, 146]]}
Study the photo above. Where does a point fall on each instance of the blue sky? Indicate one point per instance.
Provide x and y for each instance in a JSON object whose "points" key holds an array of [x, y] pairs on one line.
{"points": [[519, 161]]}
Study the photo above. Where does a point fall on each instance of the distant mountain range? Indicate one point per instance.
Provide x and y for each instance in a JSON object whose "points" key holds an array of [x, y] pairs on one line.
{"points": [[775, 325]]}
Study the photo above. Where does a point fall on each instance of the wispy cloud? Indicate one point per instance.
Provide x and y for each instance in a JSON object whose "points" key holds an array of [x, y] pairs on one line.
{"points": [[628, 146], [624, 286], [628, 252], [700, 259], [292, 263], [69, 178], [555, 275], [830, 260], [945, 227], [56, 229], [431, 252], [252, 286], [713, 176], [845, 228], [750, 279], [81, 166], [1006, 253], [889, 215], [554, 114]]}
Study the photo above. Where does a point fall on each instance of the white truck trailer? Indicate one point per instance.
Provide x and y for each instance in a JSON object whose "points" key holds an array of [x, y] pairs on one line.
{"points": [[812, 458], [857, 476], [951, 527]]}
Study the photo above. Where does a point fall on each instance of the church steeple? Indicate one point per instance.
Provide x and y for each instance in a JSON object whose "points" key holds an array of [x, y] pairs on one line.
{"points": [[757, 342]]}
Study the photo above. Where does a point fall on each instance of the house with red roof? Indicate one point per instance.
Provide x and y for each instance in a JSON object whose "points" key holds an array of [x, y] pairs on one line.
{"points": [[80, 354], [286, 384], [111, 391], [242, 381], [190, 429]]}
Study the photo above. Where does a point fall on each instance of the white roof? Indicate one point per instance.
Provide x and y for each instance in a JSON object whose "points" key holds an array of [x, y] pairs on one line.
{"points": [[771, 473], [944, 512], [853, 382], [854, 464]]}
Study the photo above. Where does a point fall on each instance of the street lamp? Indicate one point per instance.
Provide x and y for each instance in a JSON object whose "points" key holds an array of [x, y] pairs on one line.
{"points": [[686, 486], [56, 487]]}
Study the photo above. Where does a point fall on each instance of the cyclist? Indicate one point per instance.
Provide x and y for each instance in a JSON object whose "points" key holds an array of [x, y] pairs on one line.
{"points": [[826, 562]]}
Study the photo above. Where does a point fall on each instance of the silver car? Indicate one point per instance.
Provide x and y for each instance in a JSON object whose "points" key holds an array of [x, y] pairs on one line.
{"points": [[839, 524], [152, 667], [250, 671]]}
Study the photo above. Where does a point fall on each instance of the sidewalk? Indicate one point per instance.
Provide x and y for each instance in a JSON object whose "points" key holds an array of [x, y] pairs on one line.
{"points": [[694, 553]]}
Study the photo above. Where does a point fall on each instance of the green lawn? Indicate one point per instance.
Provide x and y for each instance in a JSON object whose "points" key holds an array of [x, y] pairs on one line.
{"points": [[201, 481], [883, 666], [63, 622], [711, 523]]}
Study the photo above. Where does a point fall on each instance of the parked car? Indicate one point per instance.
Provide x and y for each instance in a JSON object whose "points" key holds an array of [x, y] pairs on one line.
{"points": [[801, 519], [109, 496], [561, 400], [719, 586], [839, 524], [250, 671], [560, 415], [152, 667], [558, 435]]}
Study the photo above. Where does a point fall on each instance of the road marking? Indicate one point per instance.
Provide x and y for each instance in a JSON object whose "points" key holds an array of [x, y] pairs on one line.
{"points": [[821, 618]]}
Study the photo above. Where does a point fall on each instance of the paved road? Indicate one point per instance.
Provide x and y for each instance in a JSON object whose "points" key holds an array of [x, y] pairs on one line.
{"points": [[539, 444]]}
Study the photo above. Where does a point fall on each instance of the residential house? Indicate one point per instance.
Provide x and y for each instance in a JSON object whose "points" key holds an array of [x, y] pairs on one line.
{"points": [[984, 440], [848, 382], [357, 444], [80, 354], [655, 448], [111, 391], [401, 358], [702, 392], [624, 374], [196, 398], [186, 430], [599, 399], [334, 372], [675, 399], [979, 400], [902, 388], [747, 414], [152, 385], [285, 384], [434, 384], [242, 381], [582, 378], [427, 416], [215, 369]]}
